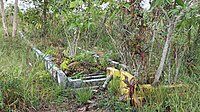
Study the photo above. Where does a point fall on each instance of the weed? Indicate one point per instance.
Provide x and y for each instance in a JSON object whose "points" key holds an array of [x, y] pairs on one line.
{"points": [[51, 51], [112, 103], [24, 83], [114, 85], [77, 75], [104, 60], [95, 69], [85, 57], [174, 99], [65, 63], [83, 95]]}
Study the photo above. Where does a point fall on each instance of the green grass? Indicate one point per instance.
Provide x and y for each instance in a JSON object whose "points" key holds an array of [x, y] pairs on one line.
{"points": [[83, 95], [179, 99], [114, 85], [24, 84], [183, 99], [1, 30]]}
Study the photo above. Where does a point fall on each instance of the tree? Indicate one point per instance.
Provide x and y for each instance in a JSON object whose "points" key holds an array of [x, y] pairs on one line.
{"points": [[172, 23], [4, 19], [15, 19]]}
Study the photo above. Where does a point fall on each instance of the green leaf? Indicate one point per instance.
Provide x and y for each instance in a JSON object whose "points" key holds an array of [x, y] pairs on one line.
{"points": [[157, 3], [72, 4], [76, 3], [72, 25], [180, 2], [127, 6], [80, 2], [160, 2]]}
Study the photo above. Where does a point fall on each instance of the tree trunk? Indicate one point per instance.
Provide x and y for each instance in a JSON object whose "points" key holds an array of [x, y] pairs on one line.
{"points": [[164, 54], [5, 28], [14, 31], [170, 30], [44, 25]]}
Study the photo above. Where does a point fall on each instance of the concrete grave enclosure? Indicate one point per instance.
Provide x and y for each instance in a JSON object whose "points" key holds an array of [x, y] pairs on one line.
{"points": [[62, 79]]}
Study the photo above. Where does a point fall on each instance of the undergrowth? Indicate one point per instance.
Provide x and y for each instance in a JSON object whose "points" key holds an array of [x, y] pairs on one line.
{"points": [[83, 95], [24, 85], [184, 99], [159, 99]]}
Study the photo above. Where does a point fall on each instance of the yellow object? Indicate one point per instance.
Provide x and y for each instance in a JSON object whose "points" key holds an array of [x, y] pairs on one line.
{"points": [[123, 87], [124, 90], [113, 71], [144, 90]]}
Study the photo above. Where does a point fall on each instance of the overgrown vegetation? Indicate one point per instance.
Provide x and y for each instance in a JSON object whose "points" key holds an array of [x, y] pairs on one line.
{"points": [[175, 99], [83, 95], [159, 44], [129, 33], [114, 85], [24, 83]]}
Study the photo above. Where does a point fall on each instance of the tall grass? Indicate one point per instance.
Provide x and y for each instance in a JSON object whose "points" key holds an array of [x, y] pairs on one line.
{"points": [[183, 98], [24, 84], [1, 30], [180, 99], [83, 95]]}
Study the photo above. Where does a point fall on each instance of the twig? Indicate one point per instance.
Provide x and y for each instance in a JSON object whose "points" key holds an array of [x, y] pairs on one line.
{"points": [[166, 15], [14, 102], [152, 41], [179, 65]]}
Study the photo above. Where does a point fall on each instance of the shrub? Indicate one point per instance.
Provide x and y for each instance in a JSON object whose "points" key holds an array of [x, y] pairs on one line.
{"points": [[85, 57]]}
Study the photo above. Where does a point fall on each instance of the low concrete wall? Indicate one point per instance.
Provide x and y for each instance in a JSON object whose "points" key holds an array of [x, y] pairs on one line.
{"points": [[55, 72]]}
